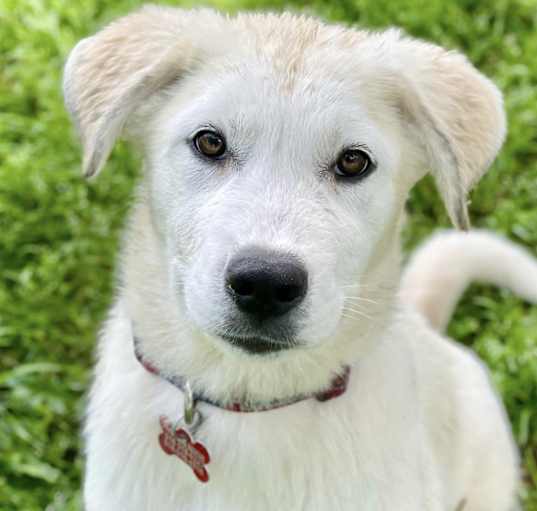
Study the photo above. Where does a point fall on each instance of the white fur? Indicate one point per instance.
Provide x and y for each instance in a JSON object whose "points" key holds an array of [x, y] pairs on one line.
{"points": [[419, 427]]}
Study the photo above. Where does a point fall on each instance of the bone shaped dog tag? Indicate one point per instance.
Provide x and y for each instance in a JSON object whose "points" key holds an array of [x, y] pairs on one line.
{"points": [[177, 441]]}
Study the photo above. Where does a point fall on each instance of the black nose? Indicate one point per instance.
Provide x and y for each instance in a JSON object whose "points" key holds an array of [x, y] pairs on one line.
{"points": [[266, 284]]}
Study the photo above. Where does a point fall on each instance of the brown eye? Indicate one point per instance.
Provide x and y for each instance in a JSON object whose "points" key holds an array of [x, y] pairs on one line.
{"points": [[352, 163], [210, 143]]}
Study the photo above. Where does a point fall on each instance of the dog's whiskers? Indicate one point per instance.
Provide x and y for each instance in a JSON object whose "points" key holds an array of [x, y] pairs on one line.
{"points": [[358, 312], [362, 299]]}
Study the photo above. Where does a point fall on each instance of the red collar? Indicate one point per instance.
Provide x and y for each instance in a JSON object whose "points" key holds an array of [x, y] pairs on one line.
{"points": [[337, 388]]}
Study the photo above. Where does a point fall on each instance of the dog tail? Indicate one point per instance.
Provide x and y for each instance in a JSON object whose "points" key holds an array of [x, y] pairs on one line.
{"points": [[441, 269]]}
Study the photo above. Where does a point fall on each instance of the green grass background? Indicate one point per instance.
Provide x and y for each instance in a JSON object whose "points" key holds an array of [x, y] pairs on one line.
{"points": [[59, 234]]}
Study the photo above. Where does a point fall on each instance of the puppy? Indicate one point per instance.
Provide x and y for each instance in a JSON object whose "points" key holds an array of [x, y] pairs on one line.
{"points": [[261, 354]]}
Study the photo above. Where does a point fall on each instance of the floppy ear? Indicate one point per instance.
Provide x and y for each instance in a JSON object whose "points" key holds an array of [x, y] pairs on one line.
{"points": [[457, 115], [109, 75]]}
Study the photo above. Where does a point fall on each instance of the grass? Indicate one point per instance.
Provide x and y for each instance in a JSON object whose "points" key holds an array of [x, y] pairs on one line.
{"points": [[59, 235]]}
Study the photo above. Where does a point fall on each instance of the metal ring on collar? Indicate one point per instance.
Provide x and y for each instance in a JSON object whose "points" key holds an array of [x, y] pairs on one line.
{"points": [[189, 404]]}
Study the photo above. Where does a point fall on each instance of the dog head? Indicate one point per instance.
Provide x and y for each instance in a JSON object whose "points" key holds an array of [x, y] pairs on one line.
{"points": [[279, 153]]}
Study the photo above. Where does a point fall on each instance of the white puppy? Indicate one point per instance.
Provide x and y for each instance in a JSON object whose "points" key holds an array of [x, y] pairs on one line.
{"points": [[261, 270]]}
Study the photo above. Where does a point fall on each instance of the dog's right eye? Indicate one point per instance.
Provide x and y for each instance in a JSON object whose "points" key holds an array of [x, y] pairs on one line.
{"points": [[210, 144], [353, 163]]}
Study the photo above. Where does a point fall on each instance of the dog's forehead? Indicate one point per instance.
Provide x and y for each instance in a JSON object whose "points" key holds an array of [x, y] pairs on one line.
{"points": [[287, 62], [298, 53], [255, 89], [294, 46]]}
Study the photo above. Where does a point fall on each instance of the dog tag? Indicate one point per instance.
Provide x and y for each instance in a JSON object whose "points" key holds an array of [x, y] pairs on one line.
{"points": [[177, 441]]}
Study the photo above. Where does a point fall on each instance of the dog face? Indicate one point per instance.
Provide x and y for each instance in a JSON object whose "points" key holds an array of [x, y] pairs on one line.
{"points": [[269, 237], [279, 153]]}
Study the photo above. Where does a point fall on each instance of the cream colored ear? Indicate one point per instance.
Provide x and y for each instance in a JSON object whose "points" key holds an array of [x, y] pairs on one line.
{"points": [[109, 75], [458, 116]]}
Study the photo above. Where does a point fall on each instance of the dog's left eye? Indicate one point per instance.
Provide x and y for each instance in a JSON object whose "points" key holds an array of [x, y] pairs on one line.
{"points": [[210, 143], [353, 163]]}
